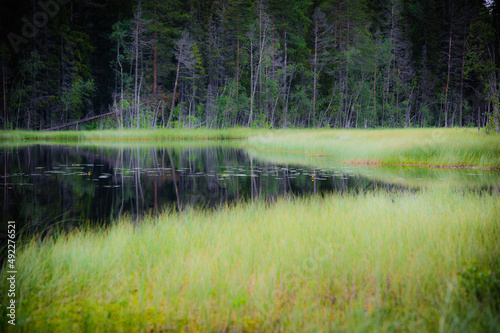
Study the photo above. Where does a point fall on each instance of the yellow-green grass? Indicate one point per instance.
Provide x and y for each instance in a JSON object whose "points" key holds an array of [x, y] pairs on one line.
{"points": [[374, 262], [421, 176], [426, 147], [130, 135], [113, 145]]}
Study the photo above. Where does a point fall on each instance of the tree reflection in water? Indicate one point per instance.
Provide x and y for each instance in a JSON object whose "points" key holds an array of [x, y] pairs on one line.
{"points": [[46, 186]]}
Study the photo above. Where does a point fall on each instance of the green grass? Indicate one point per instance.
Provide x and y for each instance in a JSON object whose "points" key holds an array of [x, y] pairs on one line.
{"points": [[425, 147], [416, 177], [431, 147], [130, 135], [374, 262]]}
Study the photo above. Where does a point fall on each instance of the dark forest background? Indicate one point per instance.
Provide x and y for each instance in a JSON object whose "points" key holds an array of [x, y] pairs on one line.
{"points": [[274, 63]]}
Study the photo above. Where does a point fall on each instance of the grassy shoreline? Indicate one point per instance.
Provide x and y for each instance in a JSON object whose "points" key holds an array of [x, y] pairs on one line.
{"points": [[378, 261], [374, 262], [131, 135], [405, 147], [410, 147]]}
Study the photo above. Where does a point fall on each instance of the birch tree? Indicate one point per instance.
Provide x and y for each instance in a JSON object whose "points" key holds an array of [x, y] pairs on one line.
{"points": [[184, 52], [323, 42]]}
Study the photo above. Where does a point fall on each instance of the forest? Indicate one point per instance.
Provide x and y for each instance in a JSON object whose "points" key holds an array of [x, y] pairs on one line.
{"points": [[249, 63]]}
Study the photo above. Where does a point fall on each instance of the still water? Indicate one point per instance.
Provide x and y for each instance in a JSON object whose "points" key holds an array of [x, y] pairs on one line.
{"points": [[45, 186]]}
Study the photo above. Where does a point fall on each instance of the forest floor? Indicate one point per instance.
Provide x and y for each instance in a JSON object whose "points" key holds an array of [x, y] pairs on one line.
{"points": [[455, 148]]}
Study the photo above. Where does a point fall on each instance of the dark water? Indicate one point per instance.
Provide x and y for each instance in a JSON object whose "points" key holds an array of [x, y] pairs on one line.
{"points": [[63, 186]]}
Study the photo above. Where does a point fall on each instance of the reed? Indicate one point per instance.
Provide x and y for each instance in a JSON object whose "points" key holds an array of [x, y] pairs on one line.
{"points": [[378, 261]]}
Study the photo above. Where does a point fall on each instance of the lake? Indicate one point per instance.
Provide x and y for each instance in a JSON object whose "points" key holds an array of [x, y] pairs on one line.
{"points": [[47, 186]]}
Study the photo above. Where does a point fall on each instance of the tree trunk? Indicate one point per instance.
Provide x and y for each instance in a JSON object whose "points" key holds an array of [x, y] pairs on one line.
{"points": [[252, 89], [121, 83], [462, 81], [237, 59], [260, 55], [375, 92], [285, 108], [4, 89], [175, 84], [447, 85], [136, 92], [315, 68], [494, 99], [155, 57]]}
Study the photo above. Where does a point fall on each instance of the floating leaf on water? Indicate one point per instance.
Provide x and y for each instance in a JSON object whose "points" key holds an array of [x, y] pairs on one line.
{"points": [[56, 172]]}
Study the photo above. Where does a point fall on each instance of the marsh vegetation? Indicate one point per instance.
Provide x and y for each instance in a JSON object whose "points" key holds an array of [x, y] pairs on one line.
{"points": [[254, 230]]}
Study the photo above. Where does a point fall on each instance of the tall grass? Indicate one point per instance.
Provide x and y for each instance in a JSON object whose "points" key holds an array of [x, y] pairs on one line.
{"points": [[412, 176], [375, 262], [427, 147], [434, 147], [130, 135]]}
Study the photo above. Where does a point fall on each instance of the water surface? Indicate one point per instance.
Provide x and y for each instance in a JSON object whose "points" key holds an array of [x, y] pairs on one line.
{"points": [[45, 186]]}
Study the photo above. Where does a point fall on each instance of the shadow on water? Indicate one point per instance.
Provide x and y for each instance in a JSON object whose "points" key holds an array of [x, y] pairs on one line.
{"points": [[47, 187]]}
